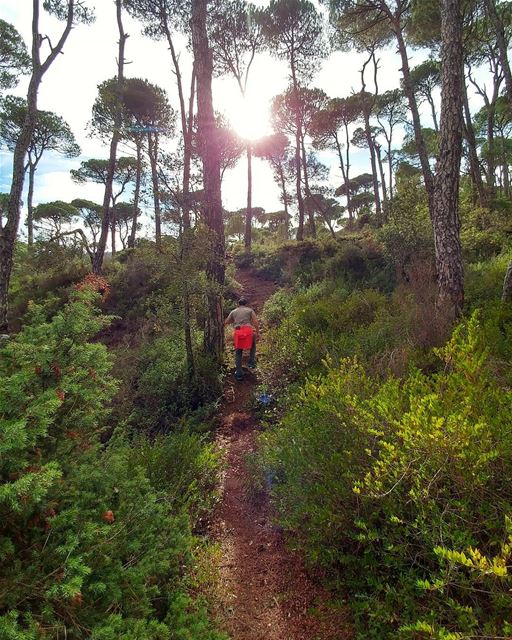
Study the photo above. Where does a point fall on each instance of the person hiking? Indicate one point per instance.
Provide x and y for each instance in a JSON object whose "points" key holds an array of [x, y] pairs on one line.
{"points": [[247, 332]]}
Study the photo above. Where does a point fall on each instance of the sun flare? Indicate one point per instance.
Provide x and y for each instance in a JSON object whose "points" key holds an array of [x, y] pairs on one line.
{"points": [[249, 117]]}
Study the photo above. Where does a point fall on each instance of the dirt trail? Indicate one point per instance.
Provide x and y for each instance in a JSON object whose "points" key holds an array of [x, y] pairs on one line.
{"points": [[265, 591]]}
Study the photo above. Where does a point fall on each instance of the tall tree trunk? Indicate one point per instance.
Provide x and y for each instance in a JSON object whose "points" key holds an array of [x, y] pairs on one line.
{"points": [[30, 203], [136, 195], [248, 213], [347, 171], [298, 138], [113, 223], [298, 186], [153, 160], [506, 177], [428, 177], [491, 158], [345, 179], [105, 224], [502, 44], [367, 108], [390, 167], [445, 212], [474, 163], [212, 201], [9, 231], [188, 132], [184, 238], [285, 200], [307, 191], [382, 179], [373, 161], [434, 113]]}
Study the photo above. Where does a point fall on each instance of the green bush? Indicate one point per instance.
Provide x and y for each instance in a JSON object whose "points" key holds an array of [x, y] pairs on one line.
{"points": [[484, 232], [325, 321], [407, 235], [160, 391], [401, 489], [94, 541], [43, 273], [484, 280]]}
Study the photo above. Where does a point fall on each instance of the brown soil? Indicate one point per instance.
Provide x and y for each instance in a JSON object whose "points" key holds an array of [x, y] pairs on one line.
{"points": [[265, 591]]}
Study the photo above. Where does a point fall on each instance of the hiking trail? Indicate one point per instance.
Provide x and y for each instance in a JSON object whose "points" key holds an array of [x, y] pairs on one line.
{"points": [[265, 592]]}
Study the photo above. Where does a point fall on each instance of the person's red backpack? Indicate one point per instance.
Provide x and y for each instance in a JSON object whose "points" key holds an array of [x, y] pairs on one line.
{"points": [[244, 336]]}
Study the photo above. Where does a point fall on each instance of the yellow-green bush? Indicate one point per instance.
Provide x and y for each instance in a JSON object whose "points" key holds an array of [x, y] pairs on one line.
{"points": [[390, 485]]}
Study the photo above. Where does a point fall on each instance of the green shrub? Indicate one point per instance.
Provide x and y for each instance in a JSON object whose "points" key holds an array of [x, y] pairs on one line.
{"points": [[43, 273], [484, 280], [407, 235], [322, 321], [160, 390], [484, 232], [391, 485], [94, 541]]}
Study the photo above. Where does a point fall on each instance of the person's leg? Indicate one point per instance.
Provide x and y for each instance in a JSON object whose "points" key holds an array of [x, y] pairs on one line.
{"points": [[238, 363], [252, 355]]}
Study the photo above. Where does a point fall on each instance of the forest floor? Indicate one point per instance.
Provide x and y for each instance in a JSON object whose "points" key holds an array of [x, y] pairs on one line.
{"points": [[264, 589]]}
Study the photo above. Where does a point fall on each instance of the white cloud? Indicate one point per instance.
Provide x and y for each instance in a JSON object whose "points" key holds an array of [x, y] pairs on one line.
{"points": [[57, 185]]}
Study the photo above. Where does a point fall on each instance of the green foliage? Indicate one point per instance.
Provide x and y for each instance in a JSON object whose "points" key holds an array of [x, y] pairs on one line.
{"points": [[401, 488], [44, 273], [162, 390], [407, 235], [147, 295], [51, 133], [484, 232], [484, 280], [95, 540], [14, 58], [357, 262]]}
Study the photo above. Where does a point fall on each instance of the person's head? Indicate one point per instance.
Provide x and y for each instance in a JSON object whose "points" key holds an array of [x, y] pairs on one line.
{"points": [[242, 302]]}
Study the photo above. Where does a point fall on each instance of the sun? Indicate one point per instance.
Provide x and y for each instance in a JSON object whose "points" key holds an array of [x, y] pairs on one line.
{"points": [[249, 116]]}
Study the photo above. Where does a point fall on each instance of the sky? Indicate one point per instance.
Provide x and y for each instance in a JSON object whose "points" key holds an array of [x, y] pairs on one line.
{"points": [[70, 86]]}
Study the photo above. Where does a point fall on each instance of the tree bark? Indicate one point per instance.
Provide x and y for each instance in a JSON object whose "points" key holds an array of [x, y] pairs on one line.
{"points": [[248, 213], [298, 138], [502, 44], [187, 119], [428, 177], [311, 214], [102, 242], [390, 166], [212, 201], [507, 285], [136, 195], [434, 113], [345, 179], [445, 211], [300, 201], [9, 231], [153, 160], [491, 160], [285, 200], [474, 163], [382, 178], [369, 138], [30, 201], [187, 158], [347, 172]]}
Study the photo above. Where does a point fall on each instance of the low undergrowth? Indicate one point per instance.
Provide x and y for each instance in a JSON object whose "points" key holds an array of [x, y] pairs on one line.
{"points": [[400, 487]]}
